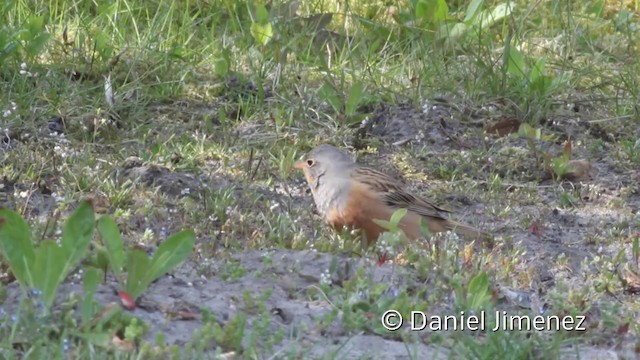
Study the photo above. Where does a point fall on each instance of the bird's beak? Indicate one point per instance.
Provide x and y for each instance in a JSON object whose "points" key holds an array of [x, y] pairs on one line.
{"points": [[299, 165]]}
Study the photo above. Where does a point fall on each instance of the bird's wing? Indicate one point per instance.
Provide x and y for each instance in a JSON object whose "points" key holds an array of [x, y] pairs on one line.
{"points": [[393, 194]]}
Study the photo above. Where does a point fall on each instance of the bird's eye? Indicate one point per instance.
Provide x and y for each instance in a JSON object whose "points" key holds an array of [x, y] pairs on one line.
{"points": [[310, 162]]}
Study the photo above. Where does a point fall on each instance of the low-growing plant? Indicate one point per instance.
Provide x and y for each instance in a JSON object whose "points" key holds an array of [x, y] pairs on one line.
{"points": [[344, 103], [44, 268], [25, 41], [229, 337], [141, 270]]}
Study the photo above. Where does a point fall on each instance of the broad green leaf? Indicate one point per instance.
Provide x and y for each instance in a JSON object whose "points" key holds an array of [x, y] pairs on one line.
{"points": [[440, 11], [451, 31], [103, 46], [529, 131], [221, 67], [262, 33], [422, 9], [262, 14], [472, 11], [514, 60], [90, 284], [16, 245], [477, 290], [34, 26], [77, 233], [91, 280], [141, 272], [489, 17], [354, 98], [432, 11], [48, 271], [540, 83], [537, 70], [261, 28], [170, 254], [479, 283], [112, 241], [137, 267]]}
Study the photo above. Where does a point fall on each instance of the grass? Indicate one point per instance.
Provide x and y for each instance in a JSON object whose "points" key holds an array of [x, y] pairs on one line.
{"points": [[210, 103]]}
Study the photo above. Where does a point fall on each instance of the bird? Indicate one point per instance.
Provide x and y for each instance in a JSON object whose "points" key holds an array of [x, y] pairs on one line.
{"points": [[348, 194]]}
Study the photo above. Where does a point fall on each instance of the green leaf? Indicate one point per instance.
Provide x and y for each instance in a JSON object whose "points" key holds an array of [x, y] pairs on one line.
{"points": [[451, 32], [472, 11], [137, 266], [103, 46], [262, 14], [354, 98], [262, 33], [489, 17], [36, 24], [170, 254], [48, 271], [478, 290], [141, 272], [392, 224], [537, 71], [397, 216], [383, 224], [529, 131], [432, 11], [16, 245], [514, 61], [441, 10], [479, 283], [77, 233], [221, 67], [91, 280], [539, 83], [422, 9], [112, 241], [90, 284]]}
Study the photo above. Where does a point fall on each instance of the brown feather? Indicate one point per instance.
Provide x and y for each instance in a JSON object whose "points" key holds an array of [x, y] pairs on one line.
{"points": [[374, 195], [395, 197]]}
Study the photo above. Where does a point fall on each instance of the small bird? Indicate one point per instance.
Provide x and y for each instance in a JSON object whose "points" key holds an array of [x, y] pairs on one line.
{"points": [[350, 195]]}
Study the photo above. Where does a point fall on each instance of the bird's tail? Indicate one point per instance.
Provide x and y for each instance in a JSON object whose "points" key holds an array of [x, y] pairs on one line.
{"points": [[467, 230]]}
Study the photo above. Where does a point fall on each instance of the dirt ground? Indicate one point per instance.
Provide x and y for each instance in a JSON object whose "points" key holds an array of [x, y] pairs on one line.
{"points": [[604, 200]]}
